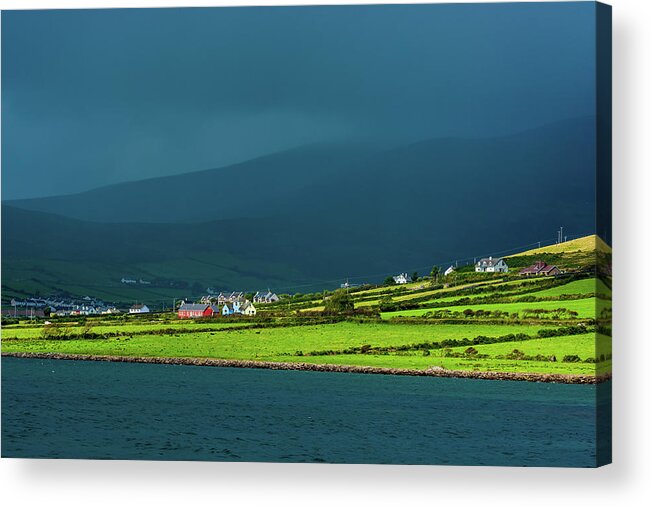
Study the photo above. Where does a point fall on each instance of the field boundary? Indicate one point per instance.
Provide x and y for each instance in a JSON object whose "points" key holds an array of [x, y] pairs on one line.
{"points": [[333, 368]]}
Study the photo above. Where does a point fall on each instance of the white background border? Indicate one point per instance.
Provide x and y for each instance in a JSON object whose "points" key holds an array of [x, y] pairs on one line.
{"points": [[627, 482]]}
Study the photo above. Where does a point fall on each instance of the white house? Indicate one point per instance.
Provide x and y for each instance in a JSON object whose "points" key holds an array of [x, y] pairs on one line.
{"points": [[402, 278], [247, 308], [449, 271], [490, 265], [139, 309]]}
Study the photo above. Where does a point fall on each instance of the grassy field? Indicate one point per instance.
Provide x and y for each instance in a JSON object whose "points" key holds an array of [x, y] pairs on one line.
{"points": [[248, 343], [586, 308], [284, 344], [584, 244], [33, 332], [585, 286]]}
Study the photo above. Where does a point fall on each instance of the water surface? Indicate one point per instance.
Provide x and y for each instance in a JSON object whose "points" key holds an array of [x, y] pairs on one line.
{"points": [[80, 409]]}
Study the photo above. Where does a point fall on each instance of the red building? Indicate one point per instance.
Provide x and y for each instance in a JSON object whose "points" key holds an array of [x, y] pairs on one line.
{"points": [[193, 311]]}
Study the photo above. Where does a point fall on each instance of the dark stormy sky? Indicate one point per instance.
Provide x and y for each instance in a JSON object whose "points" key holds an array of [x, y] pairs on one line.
{"points": [[102, 96]]}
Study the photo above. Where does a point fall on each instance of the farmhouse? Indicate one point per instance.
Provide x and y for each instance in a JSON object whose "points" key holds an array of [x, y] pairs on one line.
{"points": [[490, 265], [193, 311], [540, 268], [402, 278], [449, 271], [139, 309], [265, 297]]}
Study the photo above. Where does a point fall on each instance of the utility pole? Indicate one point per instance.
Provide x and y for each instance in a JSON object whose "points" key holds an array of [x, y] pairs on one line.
{"points": [[561, 233]]}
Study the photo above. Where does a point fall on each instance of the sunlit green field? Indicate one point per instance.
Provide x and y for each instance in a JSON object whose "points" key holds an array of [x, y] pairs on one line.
{"points": [[586, 308], [24, 332], [297, 343]]}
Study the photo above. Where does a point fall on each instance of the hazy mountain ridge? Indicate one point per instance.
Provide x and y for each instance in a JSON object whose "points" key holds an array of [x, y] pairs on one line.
{"points": [[313, 215]]}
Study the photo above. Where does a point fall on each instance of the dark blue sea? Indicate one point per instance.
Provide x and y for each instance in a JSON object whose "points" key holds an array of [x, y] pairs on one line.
{"points": [[101, 410]]}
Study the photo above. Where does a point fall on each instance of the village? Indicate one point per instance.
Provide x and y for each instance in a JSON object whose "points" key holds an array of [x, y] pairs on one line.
{"points": [[225, 304]]}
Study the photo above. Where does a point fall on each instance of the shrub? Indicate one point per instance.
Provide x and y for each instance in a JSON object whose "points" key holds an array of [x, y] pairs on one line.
{"points": [[571, 359], [516, 354], [339, 302]]}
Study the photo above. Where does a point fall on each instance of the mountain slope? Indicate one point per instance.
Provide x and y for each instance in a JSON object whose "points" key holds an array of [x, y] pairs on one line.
{"points": [[249, 189], [304, 219], [44, 252]]}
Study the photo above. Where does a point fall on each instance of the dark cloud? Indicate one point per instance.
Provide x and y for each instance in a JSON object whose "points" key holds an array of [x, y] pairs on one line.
{"points": [[100, 96]]}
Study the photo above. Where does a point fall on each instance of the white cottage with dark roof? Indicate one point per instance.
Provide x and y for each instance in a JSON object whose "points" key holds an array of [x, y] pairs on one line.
{"points": [[490, 265]]}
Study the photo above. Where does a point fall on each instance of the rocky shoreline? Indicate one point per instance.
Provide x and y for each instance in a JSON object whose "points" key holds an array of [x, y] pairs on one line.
{"points": [[269, 365]]}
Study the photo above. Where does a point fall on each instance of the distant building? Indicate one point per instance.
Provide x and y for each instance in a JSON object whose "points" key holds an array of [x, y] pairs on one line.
{"points": [[194, 311], [229, 297], [227, 310], [402, 278], [265, 297], [540, 268], [449, 271], [248, 309], [128, 280], [139, 309], [490, 265]]}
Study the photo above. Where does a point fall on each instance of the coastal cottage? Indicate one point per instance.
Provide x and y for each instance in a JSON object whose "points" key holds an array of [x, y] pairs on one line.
{"points": [[402, 278], [540, 268], [248, 309], [193, 311], [449, 271], [139, 309], [226, 311], [490, 265], [265, 297]]}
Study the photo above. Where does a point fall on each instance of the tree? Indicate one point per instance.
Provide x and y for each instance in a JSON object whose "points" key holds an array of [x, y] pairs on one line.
{"points": [[414, 276], [389, 281], [435, 273], [339, 302]]}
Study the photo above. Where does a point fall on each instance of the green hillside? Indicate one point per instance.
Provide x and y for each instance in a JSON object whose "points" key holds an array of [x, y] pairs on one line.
{"points": [[302, 220]]}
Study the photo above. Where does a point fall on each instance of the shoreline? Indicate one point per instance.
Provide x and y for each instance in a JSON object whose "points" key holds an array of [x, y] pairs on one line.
{"points": [[556, 378]]}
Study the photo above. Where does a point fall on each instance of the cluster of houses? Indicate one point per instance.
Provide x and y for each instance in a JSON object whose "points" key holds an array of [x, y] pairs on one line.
{"points": [[221, 298], [225, 304], [199, 310], [497, 265], [59, 306]]}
